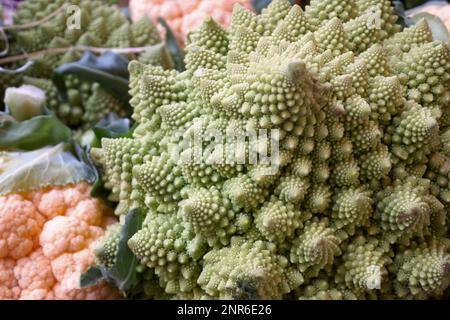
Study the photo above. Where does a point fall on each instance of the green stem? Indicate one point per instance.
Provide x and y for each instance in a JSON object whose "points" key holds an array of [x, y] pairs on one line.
{"points": [[35, 23], [51, 51]]}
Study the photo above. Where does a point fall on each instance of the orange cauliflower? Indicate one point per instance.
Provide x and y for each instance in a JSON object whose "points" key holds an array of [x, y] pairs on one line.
{"points": [[9, 288], [46, 243], [183, 16], [20, 226], [34, 276]]}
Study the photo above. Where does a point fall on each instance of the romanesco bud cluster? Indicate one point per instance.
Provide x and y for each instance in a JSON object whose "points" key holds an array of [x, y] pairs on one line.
{"points": [[101, 25]]}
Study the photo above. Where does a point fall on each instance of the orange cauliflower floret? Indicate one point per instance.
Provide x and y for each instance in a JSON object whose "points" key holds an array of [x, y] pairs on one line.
{"points": [[89, 211], [67, 234], [20, 226], [34, 275], [74, 201], [46, 241], [67, 269], [51, 203], [9, 289], [75, 195], [184, 16], [65, 291]]}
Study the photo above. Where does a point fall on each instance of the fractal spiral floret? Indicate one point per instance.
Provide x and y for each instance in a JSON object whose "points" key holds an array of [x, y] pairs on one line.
{"points": [[355, 200]]}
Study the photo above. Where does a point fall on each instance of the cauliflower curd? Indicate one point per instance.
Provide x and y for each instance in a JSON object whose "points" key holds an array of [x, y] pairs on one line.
{"points": [[46, 243]]}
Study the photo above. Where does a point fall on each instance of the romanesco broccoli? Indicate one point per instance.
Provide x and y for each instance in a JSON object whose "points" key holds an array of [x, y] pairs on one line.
{"points": [[355, 204]]}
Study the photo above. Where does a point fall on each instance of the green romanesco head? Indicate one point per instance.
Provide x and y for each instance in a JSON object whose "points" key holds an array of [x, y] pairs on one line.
{"points": [[352, 122]]}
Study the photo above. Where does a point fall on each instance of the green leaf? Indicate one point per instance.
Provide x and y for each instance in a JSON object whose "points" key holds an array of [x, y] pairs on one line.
{"points": [[33, 134], [110, 126], [438, 28], [124, 271], [91, 277], [403, 20], [173, 46], [49, 166], [124, 274], [409, 4], [98, 189], [110, 70]]}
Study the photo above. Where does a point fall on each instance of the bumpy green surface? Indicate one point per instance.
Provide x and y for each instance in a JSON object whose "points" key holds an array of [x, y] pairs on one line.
{"points": [[87, 102], [106, 249], [102, 25], [358, 204]]}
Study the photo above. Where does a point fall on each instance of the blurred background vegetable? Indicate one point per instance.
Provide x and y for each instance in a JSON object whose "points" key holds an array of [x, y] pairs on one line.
{"points": [[42, 34], [184, 16]]}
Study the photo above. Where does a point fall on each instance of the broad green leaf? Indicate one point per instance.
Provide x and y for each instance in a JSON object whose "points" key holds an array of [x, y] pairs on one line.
{"points": [[409, 4], [173, 46], [98, 189], [124, 274], [124, 271], [33, 134], [403, 20], [438, 28], [91, 277], [110, 70], [110, 126], [49, 166]]}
